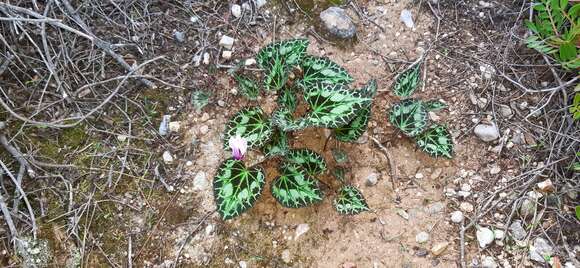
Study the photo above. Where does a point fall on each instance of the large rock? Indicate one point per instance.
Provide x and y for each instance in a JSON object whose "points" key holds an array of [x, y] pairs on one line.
{"points": [[486, 132], [541, 250], [338, 23]]}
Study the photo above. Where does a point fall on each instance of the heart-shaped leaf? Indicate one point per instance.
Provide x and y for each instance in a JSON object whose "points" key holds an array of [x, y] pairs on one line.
{"points": [[410, 116], [319, 69], [435, 105], [283, 119], [277, 60], [236, 188], [311, 161], [350, 201], [251, 124], [355, 128], [333, 105], [278, 144], [248, 87], [294, 188], [408, 81], [287, 99], [436, 141]]}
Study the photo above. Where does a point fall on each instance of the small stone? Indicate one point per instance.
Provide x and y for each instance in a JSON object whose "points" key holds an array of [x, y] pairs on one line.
{"points": [[457, 216], [486, 133], [206, 58], [419, 176], [338, 23], [484, 237], [164, 125], [174, 126], [301, 229], [203, 129], [286, 256], [466, 206], [495, 169], [194, 19], [505, 111], [189, 163], [226, 54], [547, 186], [422, 237], [200, 182], [167, 157], [372, 179], [221, 103], [250, 62], [122, 138], [421, 252], [435, 208], [465, 187], [236, 10], [434, 117], [527, 207], [227, 42], [260, 3], [487, 70], [439, 248], [179, 36], [518, 232], [488, 262], [349, 265], [498, 234], [436, 173], [403, 214], [204, 117], [407, 18], [541, 250]]}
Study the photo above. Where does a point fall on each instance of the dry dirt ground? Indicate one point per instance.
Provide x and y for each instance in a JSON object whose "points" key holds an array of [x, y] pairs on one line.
{"points": [[163, 228]]}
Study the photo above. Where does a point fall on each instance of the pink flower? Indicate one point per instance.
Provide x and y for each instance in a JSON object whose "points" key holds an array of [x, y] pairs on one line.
{"points": [[239, 147]]}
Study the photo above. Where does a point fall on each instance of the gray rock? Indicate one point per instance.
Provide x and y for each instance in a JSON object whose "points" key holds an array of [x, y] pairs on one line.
{"points": [[488, 262], [505, 111], [338, 23], [164, 125], [301, 229], [422, 237], [260, 3], [179, 36], [435, 208], [286, 256], [485, 237], [457, 216], [200, 182], [541, 250], [227, 42], [527, 207], [518, 232], [372, 179], [236, 10], [486, 133]]}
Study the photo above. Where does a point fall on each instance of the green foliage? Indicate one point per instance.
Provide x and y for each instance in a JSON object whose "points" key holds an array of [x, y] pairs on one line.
{"points": [[408, 81], [278, 59], [283, 119], [236, 188], [349, 200], [250, 123], [294, 188], [339, 173], [318, 69], [287, 99], [248, 87], [199, 99], [436, 141], [556, 31], [575, 107], [435, 105], [409, 116], [333, 105], [311, 161], [339, 156], [278, 144], [355, 128], [578, 212]]}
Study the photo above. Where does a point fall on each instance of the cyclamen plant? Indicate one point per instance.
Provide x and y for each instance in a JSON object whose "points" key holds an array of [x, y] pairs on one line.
{"points": [[332, 104]]}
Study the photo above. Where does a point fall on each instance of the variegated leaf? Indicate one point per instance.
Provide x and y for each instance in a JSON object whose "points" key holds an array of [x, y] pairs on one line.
{"points": [[319, 69], [250, 123], [283, 119], [408, 81], [410, 116], [294, 188], [287, 99], [436, 141], [355, 128], [350, 201], [310, 160], [277, 60], [236, 188], [248, 87], [333, 105], [278, 144], [435, 105]]}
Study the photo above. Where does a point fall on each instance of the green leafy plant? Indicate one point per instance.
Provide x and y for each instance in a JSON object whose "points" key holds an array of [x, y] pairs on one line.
{"points": [[410, 115], [577, 212], [328, 101], [575, 107], [556, 31]]}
